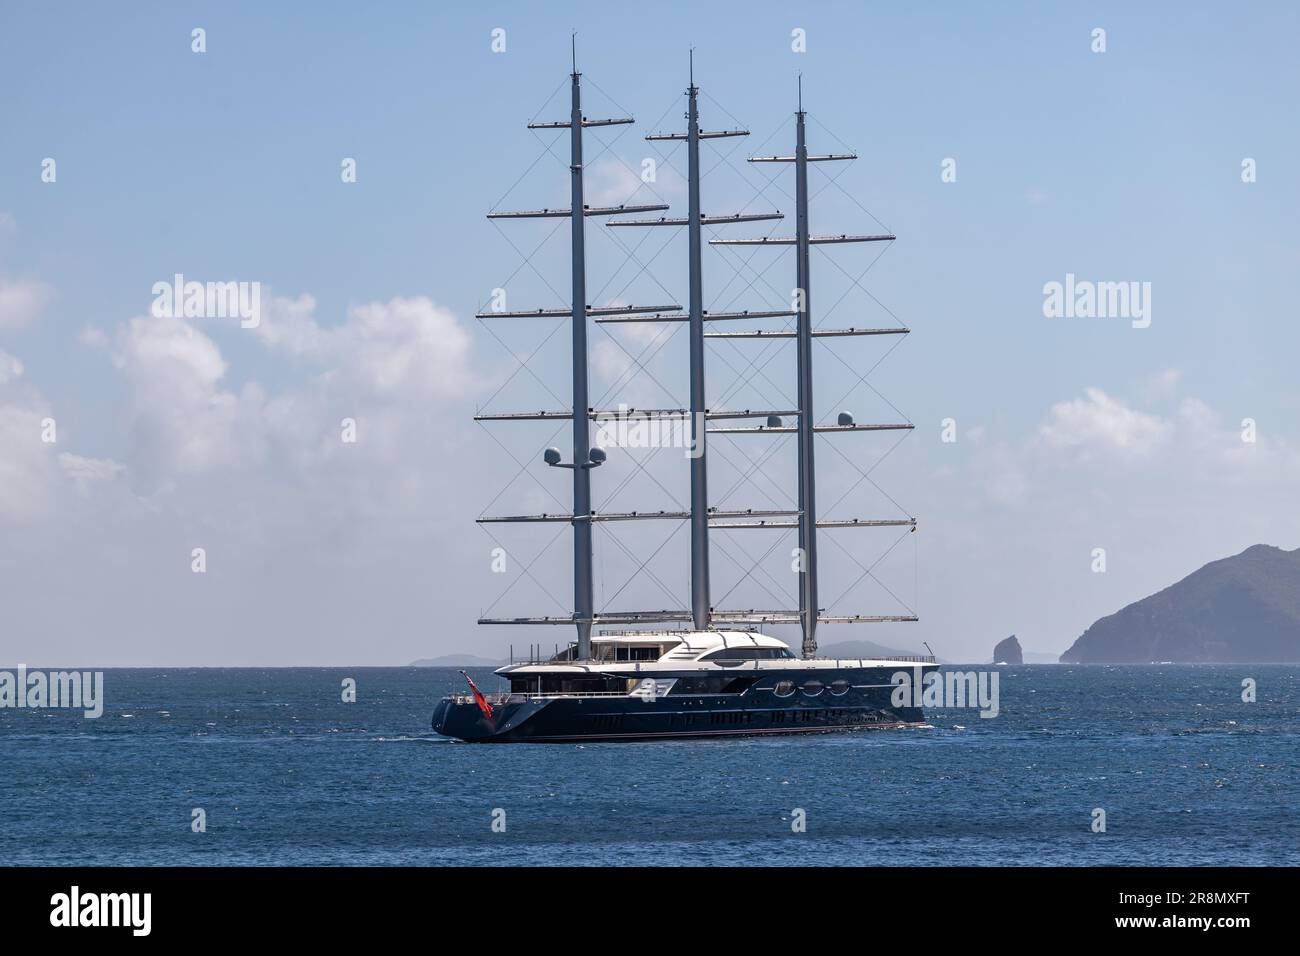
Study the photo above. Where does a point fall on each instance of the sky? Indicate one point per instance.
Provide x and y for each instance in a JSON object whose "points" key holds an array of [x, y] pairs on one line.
{"points": [[1072, 433]]}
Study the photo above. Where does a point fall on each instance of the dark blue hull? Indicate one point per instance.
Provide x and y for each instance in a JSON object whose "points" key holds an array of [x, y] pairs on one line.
{"points": [[759, 710]]}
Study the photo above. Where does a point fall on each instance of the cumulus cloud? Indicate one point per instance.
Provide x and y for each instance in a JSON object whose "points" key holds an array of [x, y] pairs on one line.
{"points": [[311, 538], [21, 302], [30, 476], [403, 345], [1098, 422], [183, 422], [611, 182]]}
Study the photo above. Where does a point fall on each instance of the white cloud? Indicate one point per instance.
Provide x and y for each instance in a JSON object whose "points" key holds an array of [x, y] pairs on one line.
{"points": [[10, 368], [92, 337], [403, 345], [297, 523], [617, 360], [1098, 422], [28, 474], [21, 302], [1163, 384], [182, 421], [611, 182], [86, 471]]}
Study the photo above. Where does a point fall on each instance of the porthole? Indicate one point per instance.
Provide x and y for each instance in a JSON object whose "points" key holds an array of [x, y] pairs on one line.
{"points": [[840, 687], [783, 688], [813, 687]]}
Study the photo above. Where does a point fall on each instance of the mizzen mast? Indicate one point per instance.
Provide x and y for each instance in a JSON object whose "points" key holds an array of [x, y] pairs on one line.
{"points": [[802, 241], [806, 448]]}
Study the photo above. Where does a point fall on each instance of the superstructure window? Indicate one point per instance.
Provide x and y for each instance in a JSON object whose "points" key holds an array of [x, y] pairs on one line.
{"points": [[712, 685], [563, 684], [628, 652], [748, 654]]}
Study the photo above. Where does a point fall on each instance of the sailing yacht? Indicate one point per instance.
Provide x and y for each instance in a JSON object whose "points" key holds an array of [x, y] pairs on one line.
{"points": [[714, 673]]}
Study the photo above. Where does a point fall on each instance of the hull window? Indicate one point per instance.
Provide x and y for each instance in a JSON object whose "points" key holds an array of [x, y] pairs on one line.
{"points": [[783, 688], [839, 687], [813, 687]]}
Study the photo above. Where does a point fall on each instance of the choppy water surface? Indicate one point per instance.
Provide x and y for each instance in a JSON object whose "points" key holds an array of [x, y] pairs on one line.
{"points": [[287, 773]]}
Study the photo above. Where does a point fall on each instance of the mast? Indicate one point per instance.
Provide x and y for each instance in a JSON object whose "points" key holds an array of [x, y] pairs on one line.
{"points": [[700, 604], [803, 337], [701, 607], [700, 614], [806, 428], [585, 457], [583, 600]]}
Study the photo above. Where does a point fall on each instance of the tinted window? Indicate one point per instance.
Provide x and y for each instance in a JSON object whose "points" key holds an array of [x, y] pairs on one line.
{"points": [[550, 684], [813, 687], [712, 685], [783, 688], [748, 654], [839, 687]]}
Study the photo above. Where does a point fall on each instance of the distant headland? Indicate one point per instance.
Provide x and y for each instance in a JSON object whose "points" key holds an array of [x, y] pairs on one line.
{"points": [[1240, 609]]}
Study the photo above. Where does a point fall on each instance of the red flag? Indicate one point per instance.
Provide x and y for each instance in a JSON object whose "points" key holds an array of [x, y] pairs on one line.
{"points": [[479, 699]]}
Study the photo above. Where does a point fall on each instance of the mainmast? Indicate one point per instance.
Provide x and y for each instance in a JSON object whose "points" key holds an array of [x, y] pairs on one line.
{"points": [[701, 607], [583, 594]]}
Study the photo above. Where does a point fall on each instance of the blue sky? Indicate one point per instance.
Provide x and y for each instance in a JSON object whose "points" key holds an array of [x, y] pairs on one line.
{"points": [[1075, 433]]}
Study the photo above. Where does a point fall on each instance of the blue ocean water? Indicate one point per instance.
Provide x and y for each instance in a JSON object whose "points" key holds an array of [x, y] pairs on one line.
{"points": [[288, 773]]}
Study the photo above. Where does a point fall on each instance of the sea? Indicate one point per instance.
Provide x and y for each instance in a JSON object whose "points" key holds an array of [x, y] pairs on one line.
{"points": [[1163, 765]]}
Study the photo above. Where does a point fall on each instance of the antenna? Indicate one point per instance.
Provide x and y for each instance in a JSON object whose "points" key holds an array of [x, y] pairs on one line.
{"points": [[573, 46]]}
